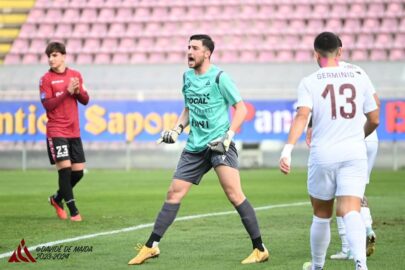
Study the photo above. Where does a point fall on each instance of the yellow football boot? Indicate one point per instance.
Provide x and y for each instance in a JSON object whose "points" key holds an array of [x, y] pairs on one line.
{"points": [[144, 254], [257, 256]]}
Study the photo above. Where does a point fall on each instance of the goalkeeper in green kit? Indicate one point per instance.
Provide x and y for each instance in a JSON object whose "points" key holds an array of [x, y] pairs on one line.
{"points": [[208, 93]]}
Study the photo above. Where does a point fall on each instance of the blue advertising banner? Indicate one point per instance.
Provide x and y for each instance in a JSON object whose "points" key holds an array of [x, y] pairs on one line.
{"points": [[143, 121]]}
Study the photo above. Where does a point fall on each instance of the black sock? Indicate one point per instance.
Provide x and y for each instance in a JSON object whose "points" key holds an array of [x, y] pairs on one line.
{"points": [[66, 191], [152, 238], [257, 243], [57, 197], [74, 179]]}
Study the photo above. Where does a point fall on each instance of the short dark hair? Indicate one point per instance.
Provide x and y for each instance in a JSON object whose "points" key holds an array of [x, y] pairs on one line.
{"points": [[55, 47], [326, 42], [206, 41], [340, 41]]}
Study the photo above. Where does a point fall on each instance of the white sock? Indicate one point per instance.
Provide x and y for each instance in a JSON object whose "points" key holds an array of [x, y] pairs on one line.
{"points": [[356, 235], [342, 234], [320, 238], [155, 244], [368, 220]]}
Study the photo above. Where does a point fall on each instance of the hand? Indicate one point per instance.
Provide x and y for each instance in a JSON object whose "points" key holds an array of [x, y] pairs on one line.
{"points": [[285, 159], [222, 144], [170, 136], [308, 136], [73, 87]]}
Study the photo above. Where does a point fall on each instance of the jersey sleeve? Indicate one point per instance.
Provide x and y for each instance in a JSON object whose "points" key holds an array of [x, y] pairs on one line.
{"points": [[369, 101], [183, 89], [228, 89], [369, 85], [45, 88], [83, 96], [304, 96]]}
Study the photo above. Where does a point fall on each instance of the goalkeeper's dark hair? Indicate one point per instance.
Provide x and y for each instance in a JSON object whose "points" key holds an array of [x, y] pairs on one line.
{"points": [[326, 43], [55, 47], [206, 41]]}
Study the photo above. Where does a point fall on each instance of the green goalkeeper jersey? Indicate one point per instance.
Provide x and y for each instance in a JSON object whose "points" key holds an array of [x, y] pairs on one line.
{"points": [[208, 97]]}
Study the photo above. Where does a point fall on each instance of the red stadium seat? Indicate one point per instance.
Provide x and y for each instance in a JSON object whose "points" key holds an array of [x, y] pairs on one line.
{"points": [[127, 45], [36, 15], [81, 30], [37, 46], [266, 56], [109, 45], [91, 45], [88, 15], [73, 45], [138, 58], [28, 30], [98, 30], [359, 55], [52, 15], [124, 15], [116, 30], [106, 15]]}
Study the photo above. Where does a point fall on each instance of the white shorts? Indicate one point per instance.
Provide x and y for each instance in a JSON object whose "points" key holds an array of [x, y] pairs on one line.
{"points": [[372, 149], [347, 178]]}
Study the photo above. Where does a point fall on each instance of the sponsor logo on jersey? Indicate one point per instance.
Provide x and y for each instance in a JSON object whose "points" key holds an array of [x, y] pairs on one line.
{"points": [[57, 81], [58, 93], [42, 95]]}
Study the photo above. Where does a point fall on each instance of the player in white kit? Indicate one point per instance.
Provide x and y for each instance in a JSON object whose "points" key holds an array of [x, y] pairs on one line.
{"points": [[372, 148], [338, 99]]}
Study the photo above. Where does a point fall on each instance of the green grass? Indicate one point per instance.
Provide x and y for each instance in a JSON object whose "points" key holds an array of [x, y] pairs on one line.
{"points": [[111, 200]]}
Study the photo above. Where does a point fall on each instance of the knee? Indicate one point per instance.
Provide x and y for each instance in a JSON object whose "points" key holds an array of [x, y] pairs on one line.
{"points": [[236, 198], [174, 196]]}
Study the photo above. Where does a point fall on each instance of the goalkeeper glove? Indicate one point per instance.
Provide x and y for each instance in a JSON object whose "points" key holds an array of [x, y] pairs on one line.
{"points": [[222, 144], [170, 136]]}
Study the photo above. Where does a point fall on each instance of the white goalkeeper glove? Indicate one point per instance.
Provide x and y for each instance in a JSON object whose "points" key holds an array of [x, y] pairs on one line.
{"points": [[170, 136], [285, 158], [222, 144]]}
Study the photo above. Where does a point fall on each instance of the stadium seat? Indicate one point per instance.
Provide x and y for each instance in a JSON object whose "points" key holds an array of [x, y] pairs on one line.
{"points": [[63, 30], [266, 56], [301, 9], [102, 58], [106, 15], [375, 9], [91, 45], [71, 15], [116, 30], [12, 59], [124, 15], [176, 57], [359, 55], [81, 30], [28, 30], [126, 45], [98, 30], [399, 41], [303, 55], [370, 24], [109, 45], [364, 41], [333, 25], [84, 59], [45, 30], [88, 15], [120, 58], [73, 45], [142, 12], [389, 24], [138, 58], [351, 25], [383, 40], [378, 55], [397, 55], [37, 46], [52, 15], [393, 9], [36, 15], [285, 56], [20, 46], [30, 58]]}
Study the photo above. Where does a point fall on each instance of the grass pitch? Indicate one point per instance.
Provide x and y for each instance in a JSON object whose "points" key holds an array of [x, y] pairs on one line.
{"points": [[113, 200]]}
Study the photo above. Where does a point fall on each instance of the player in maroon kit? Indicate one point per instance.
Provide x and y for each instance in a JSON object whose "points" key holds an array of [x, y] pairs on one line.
{"points": [[60, 89]]}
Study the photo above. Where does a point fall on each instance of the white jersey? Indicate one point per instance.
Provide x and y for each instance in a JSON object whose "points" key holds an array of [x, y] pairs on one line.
{"points": [[338, 97], [373, 137]]}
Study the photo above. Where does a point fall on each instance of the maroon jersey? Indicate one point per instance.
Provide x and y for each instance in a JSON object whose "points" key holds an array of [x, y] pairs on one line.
{"points": [[60, 105]]}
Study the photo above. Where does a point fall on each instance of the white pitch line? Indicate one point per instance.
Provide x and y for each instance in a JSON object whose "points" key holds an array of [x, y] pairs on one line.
{"points": [[142, 226]]}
